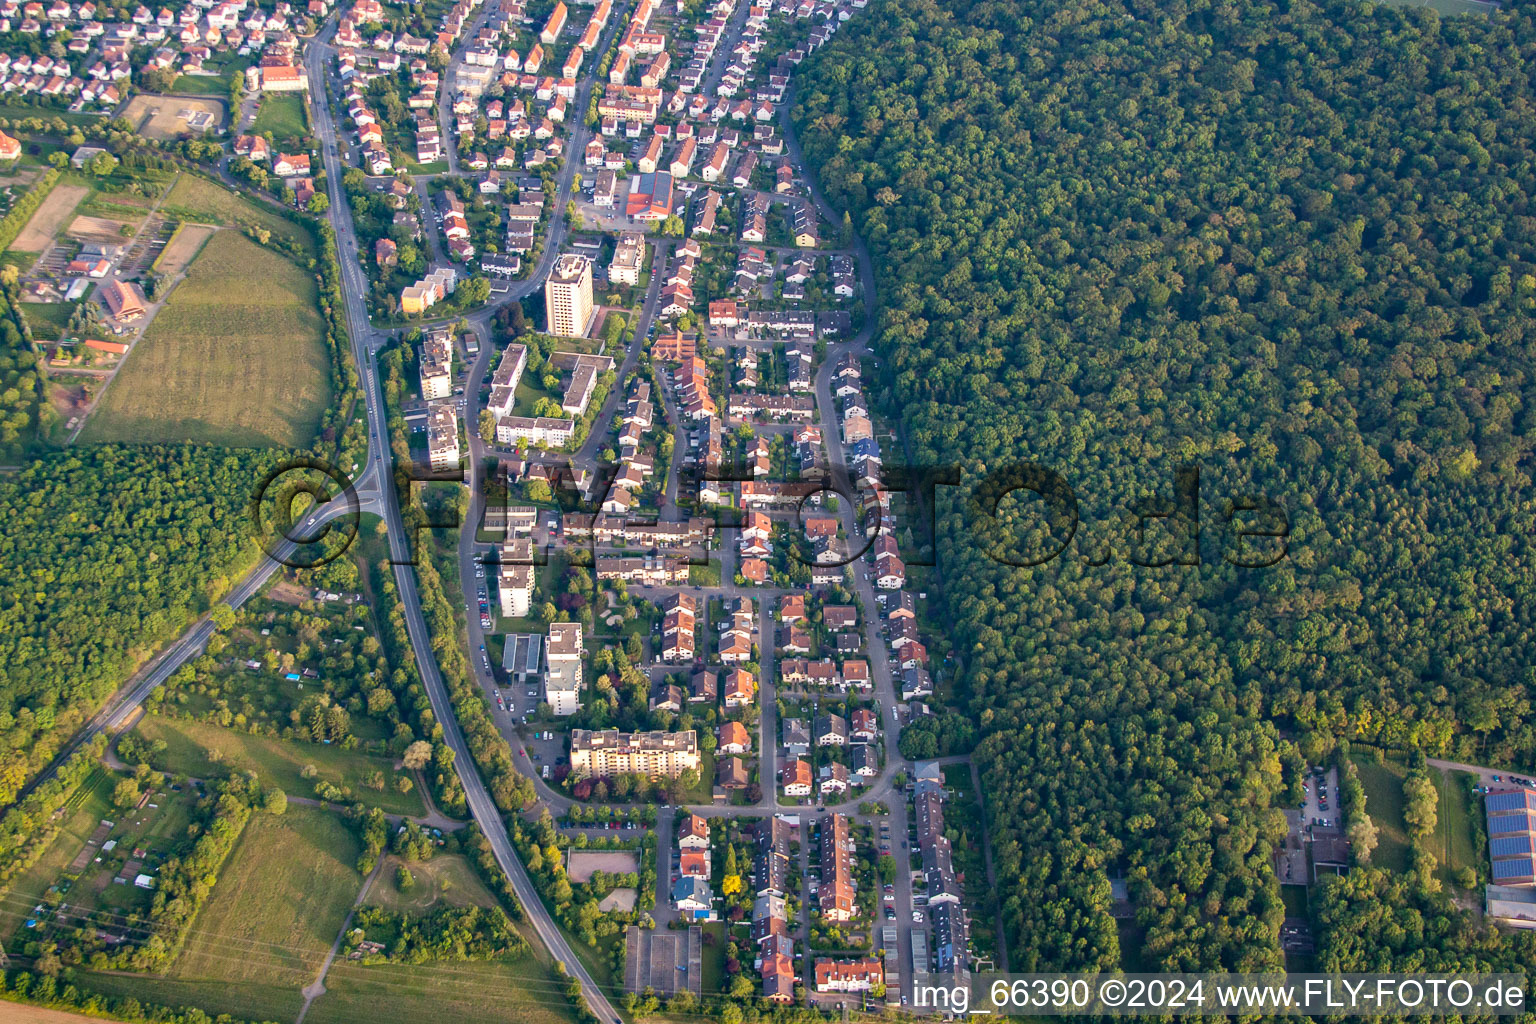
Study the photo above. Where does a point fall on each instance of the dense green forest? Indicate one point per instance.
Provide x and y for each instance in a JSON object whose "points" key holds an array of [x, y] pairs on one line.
{"points": [[24, 412], [1292, 243], [106, 552]]}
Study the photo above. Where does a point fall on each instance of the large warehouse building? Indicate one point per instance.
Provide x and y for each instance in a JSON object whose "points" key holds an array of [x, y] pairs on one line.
{"points": [[1512, 835]]}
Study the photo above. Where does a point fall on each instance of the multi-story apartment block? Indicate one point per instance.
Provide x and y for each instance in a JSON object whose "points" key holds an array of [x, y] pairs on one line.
{"points": [[608, 752], [568, 296], [562, 679], [516, 577], [437, 365], [443, 436], [504, 381], [627, 256]]}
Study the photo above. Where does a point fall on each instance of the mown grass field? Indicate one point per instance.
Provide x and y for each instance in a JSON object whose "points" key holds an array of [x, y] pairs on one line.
{"points": [[47, 319], [1383, 785], [198, 750], [196, 198], [1453, 834], [1451, 842], [236, 357], [447, 880], [519, 990], [282, 114], [278, 905]]}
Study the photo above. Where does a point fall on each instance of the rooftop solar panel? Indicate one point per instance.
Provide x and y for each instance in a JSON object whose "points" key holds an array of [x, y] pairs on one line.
{"points": [[1512, 846], [1524, 867], [1503, 824], [1509, 800]]}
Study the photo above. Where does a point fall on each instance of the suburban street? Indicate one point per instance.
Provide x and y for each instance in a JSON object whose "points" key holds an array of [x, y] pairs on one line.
{"points": [[373, 492], [365, 344]]}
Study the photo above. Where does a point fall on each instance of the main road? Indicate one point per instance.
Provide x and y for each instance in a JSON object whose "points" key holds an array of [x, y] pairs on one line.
{"points": [[365, 344], [119, 709]]}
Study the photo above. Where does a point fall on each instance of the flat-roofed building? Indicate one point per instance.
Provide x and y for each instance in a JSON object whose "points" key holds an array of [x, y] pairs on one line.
{"points": [[568, 296], [562, 677], [628, 254], [516, 577], [443, 436], [437, 364], [546, 430], [1512, 905], [504, 381], [608, 752]]}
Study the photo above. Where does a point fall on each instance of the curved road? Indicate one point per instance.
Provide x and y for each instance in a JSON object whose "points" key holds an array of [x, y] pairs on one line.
{"points": [[120, 708], [365, 344]]}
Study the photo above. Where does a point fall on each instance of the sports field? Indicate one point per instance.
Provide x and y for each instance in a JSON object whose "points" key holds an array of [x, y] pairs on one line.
{"points": [[166, 117], [237, 357]]}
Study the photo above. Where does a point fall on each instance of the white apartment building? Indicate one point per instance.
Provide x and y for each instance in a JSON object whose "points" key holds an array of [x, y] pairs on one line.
{"points": [[516, 577], [562, 677], [437, 365], [568, 296], [608, 752], [627, 256], [443, 436]]}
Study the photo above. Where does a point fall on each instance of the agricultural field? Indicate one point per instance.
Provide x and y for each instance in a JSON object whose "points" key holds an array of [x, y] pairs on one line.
{"points": [[224, 362], [20, 1013], [86, 228], [447, 880], [519, 990], [283, 115], [197, 198], [277, 908], [182, 249], [198, 750], [56, 211]]}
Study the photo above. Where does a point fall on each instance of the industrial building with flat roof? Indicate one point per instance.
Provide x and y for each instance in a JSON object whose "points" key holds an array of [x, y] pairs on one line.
{"points": [[1512, 835]]}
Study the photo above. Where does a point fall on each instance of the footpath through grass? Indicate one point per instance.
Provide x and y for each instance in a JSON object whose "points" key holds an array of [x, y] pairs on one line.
{"points": [[274, 913], [236, 357]]}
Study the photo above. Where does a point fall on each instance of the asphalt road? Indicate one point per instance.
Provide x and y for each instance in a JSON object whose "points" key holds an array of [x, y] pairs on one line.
{"points": [[120, 709], [365, 343]]}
